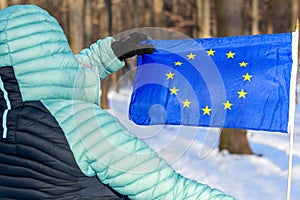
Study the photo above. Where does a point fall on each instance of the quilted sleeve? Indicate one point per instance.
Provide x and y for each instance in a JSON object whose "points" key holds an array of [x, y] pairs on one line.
{"points": [[100, 55], [102, 146]]}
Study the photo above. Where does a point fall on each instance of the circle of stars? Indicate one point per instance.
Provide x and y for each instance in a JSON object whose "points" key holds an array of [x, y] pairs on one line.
{"points": [[186, 103]]}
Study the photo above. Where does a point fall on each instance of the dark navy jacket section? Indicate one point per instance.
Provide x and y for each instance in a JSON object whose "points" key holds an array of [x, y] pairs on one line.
{"points": [[36, 161]]}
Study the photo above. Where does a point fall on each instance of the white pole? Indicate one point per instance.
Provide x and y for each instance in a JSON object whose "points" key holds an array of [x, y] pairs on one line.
{"points": [[288, 191], [292, 107]]}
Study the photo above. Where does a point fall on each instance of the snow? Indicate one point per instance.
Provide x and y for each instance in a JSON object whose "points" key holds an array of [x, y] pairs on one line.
{"points": [[193, 152]]}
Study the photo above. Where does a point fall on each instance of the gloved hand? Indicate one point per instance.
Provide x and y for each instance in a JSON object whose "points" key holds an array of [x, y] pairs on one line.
{"points": [[130, 46]]}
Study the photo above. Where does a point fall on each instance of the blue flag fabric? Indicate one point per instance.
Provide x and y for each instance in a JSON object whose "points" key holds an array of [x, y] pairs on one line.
{"points": [[231, 82]]}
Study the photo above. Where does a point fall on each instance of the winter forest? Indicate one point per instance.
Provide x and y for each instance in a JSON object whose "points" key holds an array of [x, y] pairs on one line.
{"points": [[246, 164]]}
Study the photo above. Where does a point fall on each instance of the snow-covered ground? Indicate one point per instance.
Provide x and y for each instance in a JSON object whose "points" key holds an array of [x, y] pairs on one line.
{"points": [[193, 152]]}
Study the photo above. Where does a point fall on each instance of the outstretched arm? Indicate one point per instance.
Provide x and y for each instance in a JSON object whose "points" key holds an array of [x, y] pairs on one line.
{"points": [[102, 146], [101, 55], [108, 55], [132, 168]]}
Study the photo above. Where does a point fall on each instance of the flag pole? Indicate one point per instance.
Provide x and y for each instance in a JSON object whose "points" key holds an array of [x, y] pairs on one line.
{"points": [[292, 107]]}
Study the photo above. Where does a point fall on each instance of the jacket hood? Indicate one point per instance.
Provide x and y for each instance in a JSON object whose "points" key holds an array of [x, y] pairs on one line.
{"points": [[35, 46]]}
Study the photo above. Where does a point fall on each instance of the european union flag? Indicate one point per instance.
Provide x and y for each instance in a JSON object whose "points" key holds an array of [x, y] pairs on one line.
{"points": [[237, 82]]}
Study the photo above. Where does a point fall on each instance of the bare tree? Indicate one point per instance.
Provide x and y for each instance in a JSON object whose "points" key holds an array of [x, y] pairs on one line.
{"points": [[295, 12], [230, 23], [76, 25], [156, 12], [269, 16], [3, 4], [105, 83], [88, 26], [206, 18], [136, 16], [255, 17], [178, 15], [16, 1], [199, 17], [203, 18]]}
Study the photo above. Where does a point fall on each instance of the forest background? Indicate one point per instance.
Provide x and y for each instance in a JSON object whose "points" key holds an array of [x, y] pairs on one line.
{"points": [[86, 21]]}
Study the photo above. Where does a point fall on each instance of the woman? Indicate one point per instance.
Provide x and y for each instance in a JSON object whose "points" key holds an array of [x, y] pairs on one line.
{"points": [[56, 142]]}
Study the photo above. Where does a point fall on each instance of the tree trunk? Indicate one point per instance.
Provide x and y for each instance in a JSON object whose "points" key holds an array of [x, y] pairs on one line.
{"points": [[135, 13], [64, 9], [206, 18], [229, 23], [235, 141], [156, 12], [15, 2], [199, 19], [295, 13], [76, 25], [229, 18], [203, 18], [88, 26], [3, 4], [255, 17], [105, 83], [269, 16]]}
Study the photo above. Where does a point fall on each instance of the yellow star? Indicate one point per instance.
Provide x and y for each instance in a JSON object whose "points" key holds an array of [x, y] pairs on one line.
{"points": [[186, 103], [247, 77], [177, 63], [227, 105], [210, 52], [206, 110], [174, 90], [170, 75], [230, 54], [243, 64], [191, 56], [242, 93]]}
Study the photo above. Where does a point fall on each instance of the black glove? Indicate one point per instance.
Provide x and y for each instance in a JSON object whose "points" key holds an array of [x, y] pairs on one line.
{"points": [[130, 46]]}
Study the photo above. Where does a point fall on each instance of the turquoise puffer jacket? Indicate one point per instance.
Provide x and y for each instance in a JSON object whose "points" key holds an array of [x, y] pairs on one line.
{"points": [[33, 43]]}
